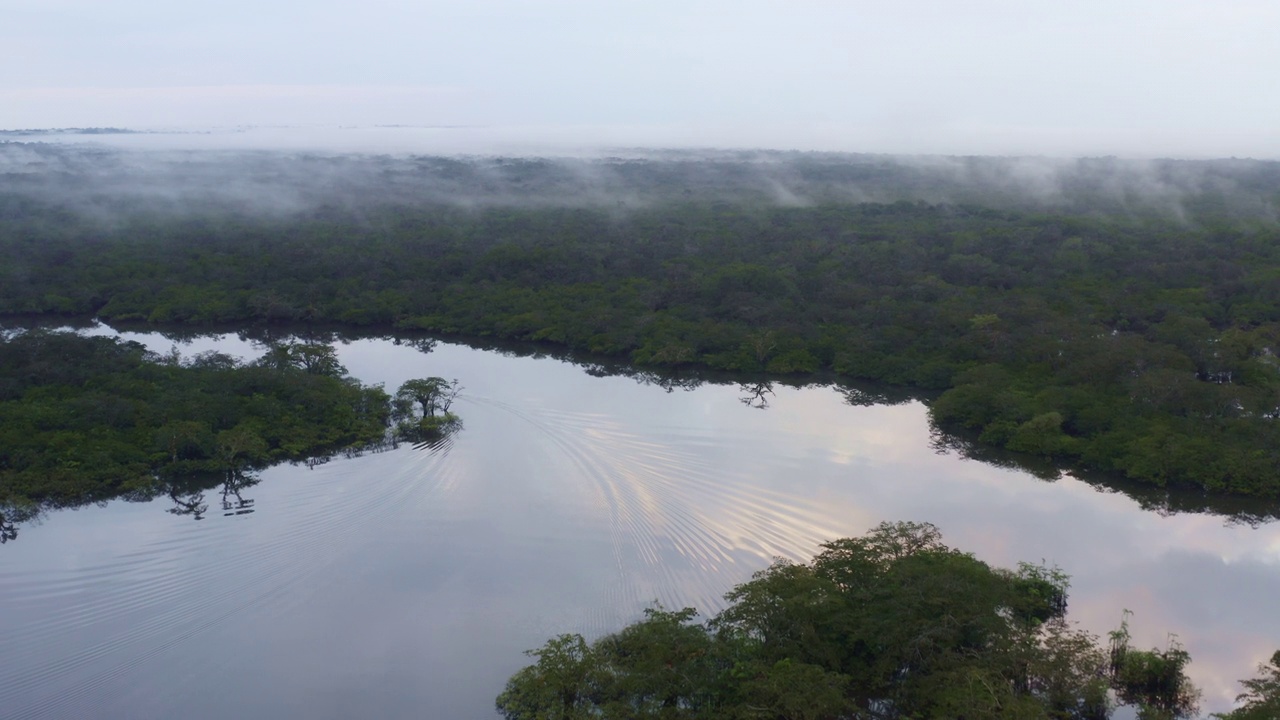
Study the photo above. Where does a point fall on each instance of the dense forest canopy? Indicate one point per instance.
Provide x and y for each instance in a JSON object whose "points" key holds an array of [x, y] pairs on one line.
{"points": [[1120, 316]]}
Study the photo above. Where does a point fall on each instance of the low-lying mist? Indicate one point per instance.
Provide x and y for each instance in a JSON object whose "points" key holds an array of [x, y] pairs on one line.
{"points": [[102, 180]]}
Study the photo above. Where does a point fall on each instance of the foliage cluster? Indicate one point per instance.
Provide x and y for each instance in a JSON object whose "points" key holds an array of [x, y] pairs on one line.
{"points": [[889, 626]]}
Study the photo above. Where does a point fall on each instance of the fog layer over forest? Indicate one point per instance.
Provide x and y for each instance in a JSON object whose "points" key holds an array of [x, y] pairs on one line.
{"points": [[98, 179]]}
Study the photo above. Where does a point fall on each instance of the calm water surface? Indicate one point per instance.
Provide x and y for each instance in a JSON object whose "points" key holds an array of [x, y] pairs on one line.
{"points": [[406, 583]]}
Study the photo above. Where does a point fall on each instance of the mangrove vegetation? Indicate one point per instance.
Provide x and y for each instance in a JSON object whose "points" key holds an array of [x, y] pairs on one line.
{"points": [[1104, 325], [85, 419]]}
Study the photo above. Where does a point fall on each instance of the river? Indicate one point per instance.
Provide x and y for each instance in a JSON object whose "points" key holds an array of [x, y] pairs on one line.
{"points": [[406, 583]]}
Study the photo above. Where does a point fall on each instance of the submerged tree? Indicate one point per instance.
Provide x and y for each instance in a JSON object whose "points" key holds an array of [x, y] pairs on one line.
{"points": [[433, 394], [421, 409]]}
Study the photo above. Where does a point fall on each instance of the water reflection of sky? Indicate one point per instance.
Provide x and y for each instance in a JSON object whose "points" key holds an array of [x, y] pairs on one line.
{"points": [[407, 580]]}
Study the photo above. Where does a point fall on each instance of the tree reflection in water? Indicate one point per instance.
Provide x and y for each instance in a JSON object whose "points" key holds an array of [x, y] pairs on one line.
{"points": [[755, 394], [235, 483], [7, 530], [11, 515], [439, 441], [190, 500], [188, 503]]}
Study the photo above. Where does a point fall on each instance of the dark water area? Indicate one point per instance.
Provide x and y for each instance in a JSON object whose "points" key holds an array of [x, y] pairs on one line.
{"points": [[406, 583]]}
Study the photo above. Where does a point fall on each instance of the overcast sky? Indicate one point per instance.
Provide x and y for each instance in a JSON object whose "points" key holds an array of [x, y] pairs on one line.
{"points": [[1137, 78]]}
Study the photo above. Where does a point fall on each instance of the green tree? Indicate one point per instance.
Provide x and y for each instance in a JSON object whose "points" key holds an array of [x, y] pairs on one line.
{"points": [[240, 446], [661, 666], [433, 394], [562, 685], [1154, 681], [309, 357]]}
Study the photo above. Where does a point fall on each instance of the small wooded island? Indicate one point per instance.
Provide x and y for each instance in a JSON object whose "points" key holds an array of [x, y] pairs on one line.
{"points": [[85, 419]]}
